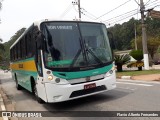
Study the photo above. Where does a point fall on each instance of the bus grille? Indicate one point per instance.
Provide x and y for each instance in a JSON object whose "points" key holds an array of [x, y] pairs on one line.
{"points": [[87, 81], [88, 91]]}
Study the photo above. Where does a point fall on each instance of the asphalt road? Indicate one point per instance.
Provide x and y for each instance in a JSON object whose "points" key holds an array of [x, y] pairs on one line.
{"points": [[128, 96]]}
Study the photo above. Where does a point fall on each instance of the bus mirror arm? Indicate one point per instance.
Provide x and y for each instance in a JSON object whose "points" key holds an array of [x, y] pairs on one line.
{"points": [[40, 41]]}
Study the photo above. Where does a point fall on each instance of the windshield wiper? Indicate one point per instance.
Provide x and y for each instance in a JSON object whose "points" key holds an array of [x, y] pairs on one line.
{"points": [[94, 56], [75, 58], [78, 54], [87, 49]]}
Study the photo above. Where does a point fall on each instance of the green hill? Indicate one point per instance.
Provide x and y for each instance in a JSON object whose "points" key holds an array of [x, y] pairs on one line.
{"points": [[4, 63]]}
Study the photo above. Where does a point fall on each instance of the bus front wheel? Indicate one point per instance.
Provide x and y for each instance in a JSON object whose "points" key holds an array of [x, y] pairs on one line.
{"points": [[36, 94]]}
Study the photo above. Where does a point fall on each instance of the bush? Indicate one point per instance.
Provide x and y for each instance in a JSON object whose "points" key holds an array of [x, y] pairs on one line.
{"points": [[139, 64], [137, 54]]}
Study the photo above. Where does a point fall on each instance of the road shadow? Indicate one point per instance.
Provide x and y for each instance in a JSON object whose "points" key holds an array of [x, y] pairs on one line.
{"points": [[90, 101], [87, 103]]}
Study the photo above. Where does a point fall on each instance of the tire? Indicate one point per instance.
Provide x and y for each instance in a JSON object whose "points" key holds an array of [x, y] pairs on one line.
{"points": [[17, 85], [34, 90]]}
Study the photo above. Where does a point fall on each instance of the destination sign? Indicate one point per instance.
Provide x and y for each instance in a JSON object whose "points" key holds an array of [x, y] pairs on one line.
{"points": [[60, 27]]}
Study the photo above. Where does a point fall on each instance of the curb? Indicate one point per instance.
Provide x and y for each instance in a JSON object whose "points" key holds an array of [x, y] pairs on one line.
{"points": [[3, 108], [125, 77]]}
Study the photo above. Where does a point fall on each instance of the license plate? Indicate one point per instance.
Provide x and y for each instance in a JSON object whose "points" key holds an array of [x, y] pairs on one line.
{"points": [[89, 86]]}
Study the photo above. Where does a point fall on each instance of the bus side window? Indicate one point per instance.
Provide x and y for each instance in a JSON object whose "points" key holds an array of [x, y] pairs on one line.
{"points": [[29, 44], [33, 45], [23, 46], [29, 47]]}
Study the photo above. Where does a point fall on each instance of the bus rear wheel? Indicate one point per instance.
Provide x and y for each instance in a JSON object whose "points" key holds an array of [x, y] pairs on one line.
{"points": [[39, 100], [17, 85]]}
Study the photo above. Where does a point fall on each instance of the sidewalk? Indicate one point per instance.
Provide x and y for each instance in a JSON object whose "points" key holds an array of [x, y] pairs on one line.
{"points": [[2, 105], [151, 77]]}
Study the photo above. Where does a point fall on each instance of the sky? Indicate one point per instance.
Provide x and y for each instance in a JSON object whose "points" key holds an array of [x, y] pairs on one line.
{"points": [[16, 14]]}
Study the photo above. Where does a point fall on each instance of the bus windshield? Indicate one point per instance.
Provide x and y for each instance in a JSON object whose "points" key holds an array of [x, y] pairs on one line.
{"points": [[75, 45]]}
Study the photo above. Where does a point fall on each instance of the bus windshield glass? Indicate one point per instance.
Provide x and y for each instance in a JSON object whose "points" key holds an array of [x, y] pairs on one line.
{"points": [[75, 44]]}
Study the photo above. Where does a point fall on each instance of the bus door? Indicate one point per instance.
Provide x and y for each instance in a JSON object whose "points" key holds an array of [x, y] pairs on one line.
{"points": [[40, 85]]}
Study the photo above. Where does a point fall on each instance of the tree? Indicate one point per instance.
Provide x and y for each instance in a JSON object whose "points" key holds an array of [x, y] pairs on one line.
{"points": [[2, 49], [152, 43], [6, 53], [1, 45], [120, 60], [1, 4], [138, 41], [123, 34]]}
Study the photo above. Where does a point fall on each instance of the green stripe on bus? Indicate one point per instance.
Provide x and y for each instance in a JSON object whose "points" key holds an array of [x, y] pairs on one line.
{"points": [[82, 74], [27, 72], [23, 78], [34, 74], [61, 62]]}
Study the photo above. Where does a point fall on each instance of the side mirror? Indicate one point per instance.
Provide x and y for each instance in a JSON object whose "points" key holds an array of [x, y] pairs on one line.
{"points": [[39, 40], [111, 40]]}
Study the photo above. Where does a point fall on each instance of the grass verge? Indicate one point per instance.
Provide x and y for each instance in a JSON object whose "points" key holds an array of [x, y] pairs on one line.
{"points": [[136, 72]]}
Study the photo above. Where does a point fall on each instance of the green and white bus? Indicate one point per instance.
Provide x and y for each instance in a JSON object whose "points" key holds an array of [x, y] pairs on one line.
{"points": [[63, 60]]}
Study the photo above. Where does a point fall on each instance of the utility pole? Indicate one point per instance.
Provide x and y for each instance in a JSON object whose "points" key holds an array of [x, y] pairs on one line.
{"points": [[144, 37], [135, 42], [79, 7]]}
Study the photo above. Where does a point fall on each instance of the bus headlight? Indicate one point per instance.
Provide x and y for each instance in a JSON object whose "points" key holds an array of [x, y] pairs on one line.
{"points": [[109, 73], [50, 77]]}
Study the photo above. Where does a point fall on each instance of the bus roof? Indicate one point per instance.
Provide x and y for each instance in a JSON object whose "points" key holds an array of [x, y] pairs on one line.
{"points": [[37, 23]]}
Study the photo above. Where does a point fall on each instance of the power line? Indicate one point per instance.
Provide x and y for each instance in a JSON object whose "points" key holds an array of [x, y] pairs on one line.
{"points": [[147, 2], [113, 9], [123, 18], [152, 5], [87, 16], [137, 2], [75, 8], [121, 15], [90, 14], [151, 2], [66, 11]]}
